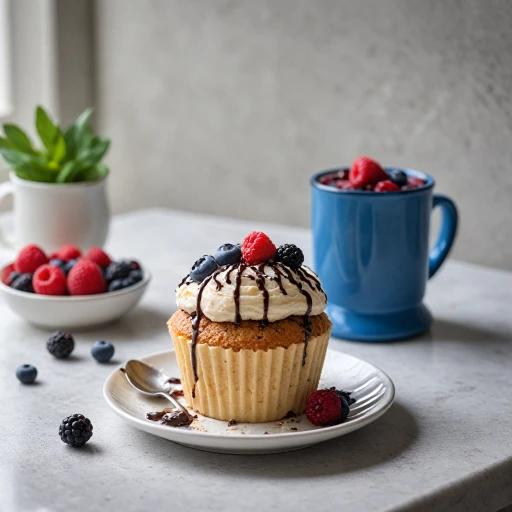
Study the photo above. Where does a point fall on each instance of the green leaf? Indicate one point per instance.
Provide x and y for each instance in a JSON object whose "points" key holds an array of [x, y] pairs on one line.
{"points": [[79, 134], [92, 173], [67, 172], [6, 144], [46, 129], [92, 155], [19, 138], [15, 158], [59, 148]]}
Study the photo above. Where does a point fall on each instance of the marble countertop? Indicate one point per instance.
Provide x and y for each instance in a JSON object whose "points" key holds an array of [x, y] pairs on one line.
{"points": [[446, 444]]}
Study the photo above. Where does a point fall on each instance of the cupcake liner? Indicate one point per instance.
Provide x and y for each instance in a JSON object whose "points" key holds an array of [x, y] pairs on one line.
{"points": [[247, 385]]}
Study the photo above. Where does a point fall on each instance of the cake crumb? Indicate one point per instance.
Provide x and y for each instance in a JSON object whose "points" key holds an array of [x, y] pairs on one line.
{"points": [[231, 422], [289, 414], [293, 428], [265, 432]]}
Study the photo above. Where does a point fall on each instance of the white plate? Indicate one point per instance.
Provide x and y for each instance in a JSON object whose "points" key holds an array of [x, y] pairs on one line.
{"points": [[370, 386], [74, 312]]}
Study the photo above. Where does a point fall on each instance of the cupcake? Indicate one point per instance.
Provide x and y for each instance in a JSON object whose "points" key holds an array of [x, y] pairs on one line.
{"points": [[250, 334]]}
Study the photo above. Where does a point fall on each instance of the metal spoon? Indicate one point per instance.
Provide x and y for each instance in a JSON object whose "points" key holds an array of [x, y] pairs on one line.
{"points": [[150, 381]]}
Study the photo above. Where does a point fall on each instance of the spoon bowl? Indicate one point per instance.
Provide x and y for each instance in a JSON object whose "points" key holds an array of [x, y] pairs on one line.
{"points": [[147, 378]]}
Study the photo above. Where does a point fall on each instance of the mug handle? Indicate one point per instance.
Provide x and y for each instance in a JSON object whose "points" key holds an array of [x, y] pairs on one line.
{"points": [[6, 189], [447, 233]]}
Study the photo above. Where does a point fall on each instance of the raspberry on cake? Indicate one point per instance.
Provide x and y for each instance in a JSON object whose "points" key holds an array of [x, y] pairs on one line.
{"points": [[257, 248], [250, 336]]}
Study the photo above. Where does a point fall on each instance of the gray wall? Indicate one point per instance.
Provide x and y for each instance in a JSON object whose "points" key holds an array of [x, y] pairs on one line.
{"points": [[227, 107]]}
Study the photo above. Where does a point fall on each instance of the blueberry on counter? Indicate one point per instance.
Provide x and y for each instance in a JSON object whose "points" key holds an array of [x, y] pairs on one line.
{"points": [[26, 373], [202, 268], [103, 351], [228, 254], [60, 344]]}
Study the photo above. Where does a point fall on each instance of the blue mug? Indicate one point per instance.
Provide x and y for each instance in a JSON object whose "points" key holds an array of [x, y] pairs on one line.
{"points": [[371, 252]]}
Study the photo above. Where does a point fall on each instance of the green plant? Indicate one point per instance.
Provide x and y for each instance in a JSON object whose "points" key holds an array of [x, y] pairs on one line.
{"points": [[66, 156]]}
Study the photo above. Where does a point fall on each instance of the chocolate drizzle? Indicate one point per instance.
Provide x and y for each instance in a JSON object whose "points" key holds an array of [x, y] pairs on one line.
{"points": [[195, 327], [236, 292], [306, 322], [258, 275], [183, 280], [260, 283]]}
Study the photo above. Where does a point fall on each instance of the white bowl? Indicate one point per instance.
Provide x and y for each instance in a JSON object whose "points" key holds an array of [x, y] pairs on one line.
{"points": [[74, 312]]}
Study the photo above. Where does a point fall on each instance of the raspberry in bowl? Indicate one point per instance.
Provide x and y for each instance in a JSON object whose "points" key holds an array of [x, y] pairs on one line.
{"points": [[70, 289], [367, 175]]}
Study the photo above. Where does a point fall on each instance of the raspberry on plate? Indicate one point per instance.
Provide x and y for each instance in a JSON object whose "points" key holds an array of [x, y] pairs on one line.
{"points": [[257, 248], [98, 256], [323, 407], [365, 171], [386, 186], [68, 252], [86, 278], [29, 259], [49, 280]]}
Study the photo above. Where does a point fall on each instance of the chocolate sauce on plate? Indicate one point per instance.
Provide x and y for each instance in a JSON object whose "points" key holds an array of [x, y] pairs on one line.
{"points": [[171, 417]]}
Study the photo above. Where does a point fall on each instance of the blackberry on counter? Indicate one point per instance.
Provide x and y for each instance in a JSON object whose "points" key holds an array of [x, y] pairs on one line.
{"points": [[290, 255], [118, 270], [60, 344], [75, 430], [23, 283]]}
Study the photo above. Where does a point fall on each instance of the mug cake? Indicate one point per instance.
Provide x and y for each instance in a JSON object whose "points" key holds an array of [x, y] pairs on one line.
{"points": [[250, 333]]}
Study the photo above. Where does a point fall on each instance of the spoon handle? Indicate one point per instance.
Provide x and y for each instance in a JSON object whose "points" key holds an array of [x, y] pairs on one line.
{"points": [[173, 401]]}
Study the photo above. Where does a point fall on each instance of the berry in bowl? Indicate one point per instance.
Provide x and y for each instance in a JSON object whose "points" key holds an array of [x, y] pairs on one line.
{"points": [[367, 175], [70, 289]]}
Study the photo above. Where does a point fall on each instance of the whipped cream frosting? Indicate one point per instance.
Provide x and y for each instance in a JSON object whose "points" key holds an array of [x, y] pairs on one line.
{"points": [[282, 284]]}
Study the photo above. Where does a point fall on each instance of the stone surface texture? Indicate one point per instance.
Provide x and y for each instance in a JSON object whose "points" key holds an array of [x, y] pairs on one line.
{"points": [[444, 445]]}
